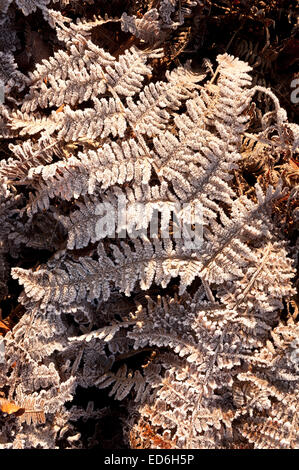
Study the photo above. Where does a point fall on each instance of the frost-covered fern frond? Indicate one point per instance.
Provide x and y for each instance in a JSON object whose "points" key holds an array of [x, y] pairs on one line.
{"points": [[26, 156], [224, 257], [9, 74], [147, 28], [274, 370], [138, 261], [140, 203]]}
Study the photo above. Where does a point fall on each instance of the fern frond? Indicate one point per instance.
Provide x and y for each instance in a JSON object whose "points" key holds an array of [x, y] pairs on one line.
{"points": [[147, 28], [149, 115], [109, 165], [140, 203]]}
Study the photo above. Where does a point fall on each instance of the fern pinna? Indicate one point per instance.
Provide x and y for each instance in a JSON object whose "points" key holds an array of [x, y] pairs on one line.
{"points": [[186, 330]]}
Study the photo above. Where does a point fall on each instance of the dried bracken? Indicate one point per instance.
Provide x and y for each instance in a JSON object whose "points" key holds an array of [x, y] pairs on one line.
{"points": [[147, 233]]}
